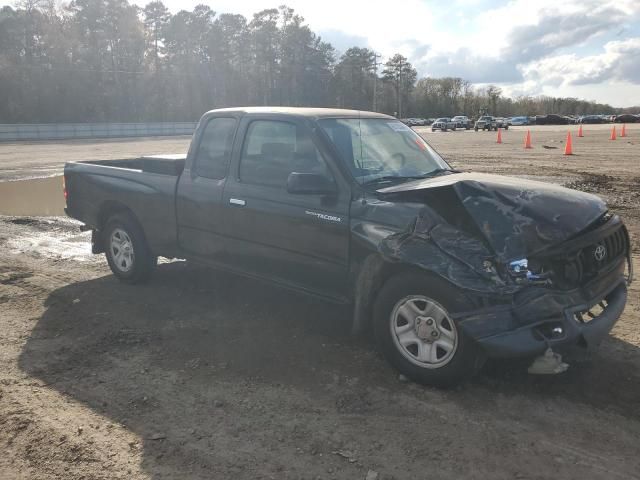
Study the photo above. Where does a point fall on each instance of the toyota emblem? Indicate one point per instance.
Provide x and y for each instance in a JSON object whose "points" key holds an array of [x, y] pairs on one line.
{"points": [[599, 253]]}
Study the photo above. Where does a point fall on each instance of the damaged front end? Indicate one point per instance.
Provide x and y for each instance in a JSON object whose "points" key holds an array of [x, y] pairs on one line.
{"points": [[542, 266]]}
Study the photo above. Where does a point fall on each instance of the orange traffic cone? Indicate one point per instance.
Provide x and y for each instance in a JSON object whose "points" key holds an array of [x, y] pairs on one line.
{"points": [[527, 140], [613, 133], [623, 133], [580, 131], [499, 140], [568, 148]]}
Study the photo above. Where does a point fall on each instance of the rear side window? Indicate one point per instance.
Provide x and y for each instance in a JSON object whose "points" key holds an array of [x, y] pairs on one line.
{"points": [[214, 151], [274, 149]]}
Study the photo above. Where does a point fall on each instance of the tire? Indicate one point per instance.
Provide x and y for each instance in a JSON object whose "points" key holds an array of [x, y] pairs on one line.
{"points": [[452, 357], [128, 254], [433, 129], [475, 128], [506, 127], [454, 128]]}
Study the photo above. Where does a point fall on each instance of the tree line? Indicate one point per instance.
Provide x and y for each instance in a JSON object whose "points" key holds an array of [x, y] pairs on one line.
{"points": [[109, 60]]}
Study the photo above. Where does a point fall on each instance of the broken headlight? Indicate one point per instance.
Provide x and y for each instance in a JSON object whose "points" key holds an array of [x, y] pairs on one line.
{"points": [[525, 271]]}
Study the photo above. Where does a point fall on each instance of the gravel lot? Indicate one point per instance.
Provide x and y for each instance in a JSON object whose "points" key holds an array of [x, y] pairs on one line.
{"points": [[204, 375]]}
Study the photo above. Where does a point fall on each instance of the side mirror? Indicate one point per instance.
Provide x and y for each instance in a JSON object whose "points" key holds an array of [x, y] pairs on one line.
{"points": [[310, 184]]}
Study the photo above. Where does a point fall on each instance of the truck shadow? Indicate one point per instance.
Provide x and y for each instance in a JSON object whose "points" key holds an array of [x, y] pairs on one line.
{"points": [[173, 357]]}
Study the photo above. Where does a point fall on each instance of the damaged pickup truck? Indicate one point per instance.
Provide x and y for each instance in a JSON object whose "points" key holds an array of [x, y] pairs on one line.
{"points": [[446, 267]]}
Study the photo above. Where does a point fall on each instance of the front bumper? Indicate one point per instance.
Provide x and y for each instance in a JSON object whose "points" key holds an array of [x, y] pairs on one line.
{"points": [[526, 327]]}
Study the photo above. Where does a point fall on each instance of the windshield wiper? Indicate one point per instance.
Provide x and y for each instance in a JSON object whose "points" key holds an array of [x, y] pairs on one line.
{"points": [[386, 178], [434, 173], [389, 178]]}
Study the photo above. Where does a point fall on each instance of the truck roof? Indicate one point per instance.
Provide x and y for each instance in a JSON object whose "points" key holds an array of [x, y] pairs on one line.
{"points": [[303, 112]]}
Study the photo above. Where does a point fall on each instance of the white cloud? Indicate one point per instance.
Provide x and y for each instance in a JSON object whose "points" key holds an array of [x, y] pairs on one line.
{"points": [[619, 62], [388, 28]]}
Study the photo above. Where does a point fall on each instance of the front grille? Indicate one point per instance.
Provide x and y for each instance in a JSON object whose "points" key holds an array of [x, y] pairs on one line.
{"points": [[575, 268], [605, 251], [616, 243]]}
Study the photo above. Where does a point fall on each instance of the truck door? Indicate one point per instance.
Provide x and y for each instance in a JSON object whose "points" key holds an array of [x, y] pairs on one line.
{"points": [[199, 206], [298, 239]]}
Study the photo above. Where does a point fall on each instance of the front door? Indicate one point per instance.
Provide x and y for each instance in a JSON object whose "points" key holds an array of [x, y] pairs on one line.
{"points": [[296, 239]]}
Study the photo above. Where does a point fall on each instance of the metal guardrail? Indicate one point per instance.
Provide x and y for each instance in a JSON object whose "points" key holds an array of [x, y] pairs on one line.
{"points": [[63, 131]]}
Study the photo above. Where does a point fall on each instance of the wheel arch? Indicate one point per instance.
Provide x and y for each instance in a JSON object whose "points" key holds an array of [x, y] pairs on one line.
{"points": [[374, 272], [107, 210]]}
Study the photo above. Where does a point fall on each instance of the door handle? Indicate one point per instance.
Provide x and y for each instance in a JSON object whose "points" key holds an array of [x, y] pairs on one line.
{"points": [[237, 201]]}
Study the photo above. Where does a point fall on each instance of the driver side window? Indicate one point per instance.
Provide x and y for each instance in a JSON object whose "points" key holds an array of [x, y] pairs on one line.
{"points": [[274, 149]]}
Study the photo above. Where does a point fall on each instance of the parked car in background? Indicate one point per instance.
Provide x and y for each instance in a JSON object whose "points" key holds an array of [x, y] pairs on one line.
{"points": [[502, 123], [429, 121], [519, 121], [552, 119], [462, 121], [592, 119], [626, 118], [443, 124], [416, 122], [486, 122]]}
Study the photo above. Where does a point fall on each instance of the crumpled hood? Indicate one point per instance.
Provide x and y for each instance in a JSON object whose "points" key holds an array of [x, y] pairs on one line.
{"points": [[516, 217]]}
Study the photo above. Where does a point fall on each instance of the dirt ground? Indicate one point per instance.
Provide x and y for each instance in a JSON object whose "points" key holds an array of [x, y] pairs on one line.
{"points": [[204, 375]]}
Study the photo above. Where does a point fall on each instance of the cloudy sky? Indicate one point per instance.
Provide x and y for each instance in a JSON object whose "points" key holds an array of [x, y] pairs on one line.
{"points": [[584, 48]]}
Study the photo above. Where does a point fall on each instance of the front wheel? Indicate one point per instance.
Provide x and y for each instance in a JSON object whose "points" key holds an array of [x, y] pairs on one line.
{"points": [[417, 334], [127, 251]]}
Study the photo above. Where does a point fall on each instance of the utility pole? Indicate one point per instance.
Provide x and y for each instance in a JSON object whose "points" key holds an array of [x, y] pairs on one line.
{"points": [[376, 56]]}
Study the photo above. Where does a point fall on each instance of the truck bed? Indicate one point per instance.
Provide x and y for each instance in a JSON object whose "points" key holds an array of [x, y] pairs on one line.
{"points": [[161, 164], [145, 186]]}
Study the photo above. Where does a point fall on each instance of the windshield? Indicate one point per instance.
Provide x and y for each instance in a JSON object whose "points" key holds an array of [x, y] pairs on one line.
{"points": [[378, 148]]}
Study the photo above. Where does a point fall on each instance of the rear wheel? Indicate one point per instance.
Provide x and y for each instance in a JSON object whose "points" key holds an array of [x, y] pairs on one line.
{"points": [[127, 251], [417, 334]]}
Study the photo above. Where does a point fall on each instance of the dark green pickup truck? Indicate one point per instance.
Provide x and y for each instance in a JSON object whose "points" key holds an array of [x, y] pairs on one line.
{"points": [[446, 267]]}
